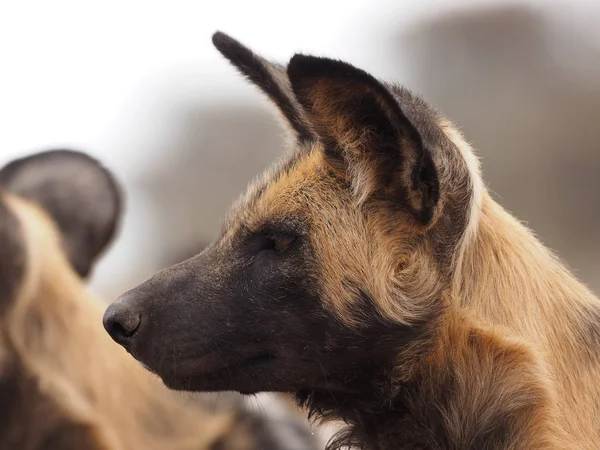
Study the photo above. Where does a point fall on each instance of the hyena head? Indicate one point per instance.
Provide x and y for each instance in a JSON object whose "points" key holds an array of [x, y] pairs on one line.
{"points": [[334, 260]]}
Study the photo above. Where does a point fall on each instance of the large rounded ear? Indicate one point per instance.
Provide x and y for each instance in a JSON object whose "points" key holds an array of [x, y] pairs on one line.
{"points": [[78, 193], [362, 125]]}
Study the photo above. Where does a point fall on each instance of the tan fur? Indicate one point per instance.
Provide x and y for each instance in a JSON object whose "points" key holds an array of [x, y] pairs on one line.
{"points": [[349, 257], [444, 322], [502, 277], [522, 287], [55, 330], [491, 381]]}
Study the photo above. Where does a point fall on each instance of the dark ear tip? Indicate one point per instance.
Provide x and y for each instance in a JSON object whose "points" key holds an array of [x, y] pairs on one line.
{"points": [[228, 46], [301, 70], [300, 65], [239, 55], [305, 66], [220, 39]]}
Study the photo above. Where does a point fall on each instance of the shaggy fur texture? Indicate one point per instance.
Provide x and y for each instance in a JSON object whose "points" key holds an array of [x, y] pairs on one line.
{"points": [[63, 383], [371, 273]]}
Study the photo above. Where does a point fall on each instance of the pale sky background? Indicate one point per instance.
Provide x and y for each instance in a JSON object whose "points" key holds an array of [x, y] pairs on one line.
{"points": [[125, 81]]}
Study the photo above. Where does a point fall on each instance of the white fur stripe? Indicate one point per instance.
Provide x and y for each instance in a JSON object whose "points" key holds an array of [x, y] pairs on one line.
{"points": [[477, 188]]}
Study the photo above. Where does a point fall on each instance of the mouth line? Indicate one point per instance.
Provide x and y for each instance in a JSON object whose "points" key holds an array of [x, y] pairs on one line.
{"points": [[221, 372]]}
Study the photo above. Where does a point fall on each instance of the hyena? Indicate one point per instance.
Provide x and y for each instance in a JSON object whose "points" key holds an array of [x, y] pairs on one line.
{"points": [[64, 384], [371, 274]]}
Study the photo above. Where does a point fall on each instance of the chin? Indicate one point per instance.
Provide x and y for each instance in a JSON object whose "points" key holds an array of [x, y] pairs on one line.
{"points": [[244, 384], [250, 375], [197, 384]]}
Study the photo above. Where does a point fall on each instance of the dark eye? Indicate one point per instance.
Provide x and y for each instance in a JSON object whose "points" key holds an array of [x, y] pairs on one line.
{"points": [[277, 243], [282, 242]]}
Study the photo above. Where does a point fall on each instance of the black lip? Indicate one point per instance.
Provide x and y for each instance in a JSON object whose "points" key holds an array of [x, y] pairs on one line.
{"points": [[240, 365], [222, 373]]}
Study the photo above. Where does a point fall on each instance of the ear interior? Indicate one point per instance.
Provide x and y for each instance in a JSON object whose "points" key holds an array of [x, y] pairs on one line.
{"points": [[269, 77], [360, 122], [78, 193]]}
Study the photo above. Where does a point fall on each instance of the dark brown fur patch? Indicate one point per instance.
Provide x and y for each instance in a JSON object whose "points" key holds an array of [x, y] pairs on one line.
{"points": [[360, 122], [473, 390], [13, 255]]}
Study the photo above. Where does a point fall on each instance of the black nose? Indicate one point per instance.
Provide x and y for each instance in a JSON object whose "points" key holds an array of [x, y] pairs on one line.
{"points": [[121, 321]]}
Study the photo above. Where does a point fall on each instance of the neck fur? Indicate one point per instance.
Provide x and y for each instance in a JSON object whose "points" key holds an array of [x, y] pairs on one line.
{"points": [[507, 292], [508, 278]]}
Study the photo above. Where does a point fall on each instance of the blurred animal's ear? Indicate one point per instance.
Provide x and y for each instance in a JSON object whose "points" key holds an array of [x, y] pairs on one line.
{"points": [[78, 193], [364, 130], [271, 78]]}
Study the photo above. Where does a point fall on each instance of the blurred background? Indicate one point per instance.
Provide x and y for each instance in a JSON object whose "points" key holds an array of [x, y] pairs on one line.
{"points": [[138, 85]]}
